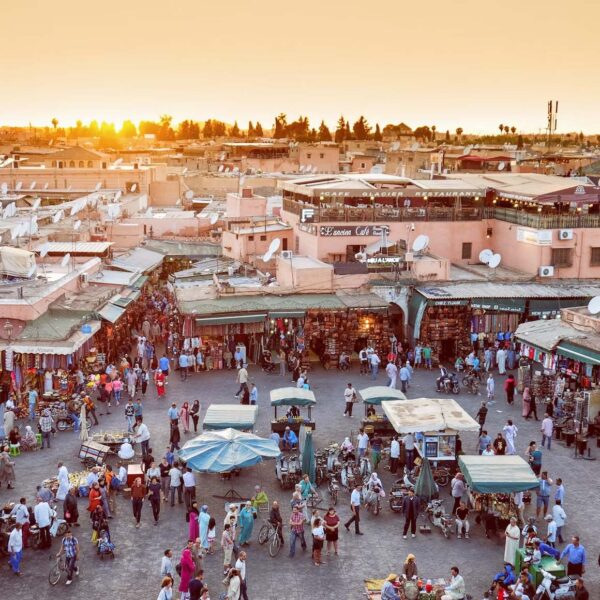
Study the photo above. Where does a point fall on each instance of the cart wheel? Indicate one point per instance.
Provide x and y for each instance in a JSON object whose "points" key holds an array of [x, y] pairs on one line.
{"points": [[54, 575], [61, 530], [396, 505], [274, 546], [263, 534]]}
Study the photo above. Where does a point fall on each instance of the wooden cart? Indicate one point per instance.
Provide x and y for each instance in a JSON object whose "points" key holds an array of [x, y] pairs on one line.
{"points": [[93, 454]]}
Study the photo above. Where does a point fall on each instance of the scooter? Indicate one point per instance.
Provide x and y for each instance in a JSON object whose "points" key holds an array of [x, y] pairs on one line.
{"points": [[347, 476], [372, 498], [67, 422], [58, 528], [438, 517], [408, 479], [397, 493], [450, 385], [334, 488], [552, 588]]}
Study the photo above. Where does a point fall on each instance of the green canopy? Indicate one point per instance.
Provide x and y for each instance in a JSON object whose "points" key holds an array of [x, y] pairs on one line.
{"points": [[380, 393], [292, 396], [425, 486], [308, 456], [237, 416], [497, 474]]}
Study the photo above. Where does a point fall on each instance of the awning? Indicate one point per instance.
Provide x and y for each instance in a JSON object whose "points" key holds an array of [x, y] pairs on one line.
{"points": [[125, 300], [497, 474], [227, 319], [516, 305], [139, 282], [111, 312], [292, 396], [287, 314], [380, 393], [584, 355], [428, 414], [551, 307], [236, 416]]}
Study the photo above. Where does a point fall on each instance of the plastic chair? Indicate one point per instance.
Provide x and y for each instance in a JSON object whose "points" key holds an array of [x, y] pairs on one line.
{"points": [[14, 450], [38, 438]]}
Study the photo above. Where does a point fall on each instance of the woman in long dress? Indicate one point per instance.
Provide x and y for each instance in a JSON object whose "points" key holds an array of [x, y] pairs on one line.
{"points": [[63, 482], [184, 415], [204, 520], [159, 380], [47, 381], [7, 469], [501, 360], [511, 546], [246, 523], [510, 434]]}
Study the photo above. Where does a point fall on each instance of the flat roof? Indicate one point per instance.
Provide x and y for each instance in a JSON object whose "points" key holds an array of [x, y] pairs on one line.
{"points": [[76, 247], [510, 290]]}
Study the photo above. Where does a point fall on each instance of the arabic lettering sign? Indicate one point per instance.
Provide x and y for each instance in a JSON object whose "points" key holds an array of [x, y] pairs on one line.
{"points": [[352, 230]]}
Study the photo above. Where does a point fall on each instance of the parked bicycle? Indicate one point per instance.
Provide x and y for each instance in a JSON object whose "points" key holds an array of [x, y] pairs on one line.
{"points": [[57, 569], [269, 533]]}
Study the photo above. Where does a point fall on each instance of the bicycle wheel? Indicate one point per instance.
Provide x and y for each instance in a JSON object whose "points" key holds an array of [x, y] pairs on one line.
{"points": [[441, 477], [274, 546], [54, 575], [263, 534]]}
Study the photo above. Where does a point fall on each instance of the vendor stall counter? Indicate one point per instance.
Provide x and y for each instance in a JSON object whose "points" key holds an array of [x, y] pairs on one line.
{"points": [[548, 563], [291, 396], [375, 423]]}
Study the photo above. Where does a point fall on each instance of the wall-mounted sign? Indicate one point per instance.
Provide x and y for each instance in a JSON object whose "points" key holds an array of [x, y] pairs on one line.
{"points": [[536, 237], [351, 230], [410, 193], [308, 215], [383, 260]]}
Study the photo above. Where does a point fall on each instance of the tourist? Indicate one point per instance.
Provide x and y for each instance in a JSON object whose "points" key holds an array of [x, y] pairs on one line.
{"points": [[410, 509], [456, 589], [240, 566], [227, 542], [560, 517], [166, 565], [242, 379], [458, 489], [138, 492], [189, 487], [374, 362], [394, 454], [510, 434], [543, 495], [576, 557], [409, 449], [253, 398], [15, 549], [46, 425], [349, 399], [142, 435], [154, 489], [547, 429], [70, 547], [405, 374], [297, 520], [318, 536], [175, 480], [234, 585]]}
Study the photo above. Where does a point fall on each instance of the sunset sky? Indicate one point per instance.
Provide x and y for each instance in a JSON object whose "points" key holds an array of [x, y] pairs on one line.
{"points": [[447, 63]]}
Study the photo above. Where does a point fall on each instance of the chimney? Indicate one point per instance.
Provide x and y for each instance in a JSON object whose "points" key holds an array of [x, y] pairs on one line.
{"points": [[247, 193]]}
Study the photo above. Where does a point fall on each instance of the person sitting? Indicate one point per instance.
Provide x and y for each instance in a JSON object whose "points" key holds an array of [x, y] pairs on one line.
{"points": [[292, 412], [344, 361], [371, 411], [260, 498], [439, 382], [529, 533], [389, 591], [267, 362], [29, 441], [14, 437], [290, 439], [507, 576], [462, 520], [410, 570], [348, 450], [459, 364]]}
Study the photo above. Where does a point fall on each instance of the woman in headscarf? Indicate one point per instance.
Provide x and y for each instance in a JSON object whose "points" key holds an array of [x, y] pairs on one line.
{"points": [[410, 567], [388, 591], [7, 469], [260, 498], [63, 482], [246, 523], [29, 441], [193, 529], [348, 449], [203, 521], [231, 512], [184, 417], [374, 482]]}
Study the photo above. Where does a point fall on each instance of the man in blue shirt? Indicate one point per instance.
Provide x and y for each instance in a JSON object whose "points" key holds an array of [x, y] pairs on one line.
{"points": [[253, 394], [173, 414], [163, 364], [290, 439], [575, 554], [70, 546], [484, 441], [183, 366]]}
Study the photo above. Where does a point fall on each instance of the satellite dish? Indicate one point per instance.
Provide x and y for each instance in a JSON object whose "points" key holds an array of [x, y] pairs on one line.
{"points": [[57, 216], [594, 305], [149, 212], [236, 170], [267, 256], [4, 188], [485, 256], [134, 187], [98, 186], [221, 167], [274, 245], [32, 185], [12, 210], [494, 261], [65, 260], [178, 203], [185, 170], [421, 242], [301, 169], [189, 194], [360, 256], [242, 181], [76, 225], [501, 166], [468, 150], [214, 218], [44, 249], [226, 169], [117, 196], [18, 186], [37, 203], [46, 185]]}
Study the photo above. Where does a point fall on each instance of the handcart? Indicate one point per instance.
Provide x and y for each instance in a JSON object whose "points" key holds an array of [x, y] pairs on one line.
{"points": [[93, 454]]}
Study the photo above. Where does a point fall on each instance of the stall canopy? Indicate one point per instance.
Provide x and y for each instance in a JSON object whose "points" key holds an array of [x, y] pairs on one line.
{"points": [[291, 396], [236, 416], [224, 451], [428, 414], [497, 474], [380, 393], [16, 262]]}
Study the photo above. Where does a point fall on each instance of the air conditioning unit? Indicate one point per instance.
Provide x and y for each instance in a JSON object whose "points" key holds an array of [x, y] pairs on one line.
{"points": [[565, 234], [287, 254], [546, 271]]}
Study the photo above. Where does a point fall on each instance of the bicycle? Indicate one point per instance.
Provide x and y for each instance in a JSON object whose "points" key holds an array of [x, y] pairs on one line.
{"points": [[269, 533], [57, 569]]}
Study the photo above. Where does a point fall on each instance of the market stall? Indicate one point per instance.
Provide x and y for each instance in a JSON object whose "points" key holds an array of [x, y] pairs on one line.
{"points": [[435, 423], [241, 417], [372, 397], [492, 482], [292, 396], [113, 440]]}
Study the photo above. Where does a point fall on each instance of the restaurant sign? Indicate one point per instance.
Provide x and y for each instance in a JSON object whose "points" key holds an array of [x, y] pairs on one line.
{"points": [[499, 304], [349, 231], [535, 237]]}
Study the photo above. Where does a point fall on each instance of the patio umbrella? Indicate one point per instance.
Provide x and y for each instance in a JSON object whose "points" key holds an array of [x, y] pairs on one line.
{"points": [[225, 450], [308, 456], [425, 486]]}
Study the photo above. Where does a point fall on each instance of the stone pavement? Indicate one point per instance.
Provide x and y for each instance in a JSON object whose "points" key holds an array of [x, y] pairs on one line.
{"points": [[134, 574]]}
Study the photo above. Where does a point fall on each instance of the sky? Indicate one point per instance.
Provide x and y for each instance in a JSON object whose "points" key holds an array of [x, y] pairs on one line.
{"points": [[458, 63]]}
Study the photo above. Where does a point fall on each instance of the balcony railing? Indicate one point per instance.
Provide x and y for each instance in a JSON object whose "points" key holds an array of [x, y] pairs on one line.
{"points": [[541, 221]]}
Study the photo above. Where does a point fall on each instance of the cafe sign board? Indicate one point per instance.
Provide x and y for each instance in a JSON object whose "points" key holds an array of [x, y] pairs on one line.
{"points": [[535, 237], [353, 230]]}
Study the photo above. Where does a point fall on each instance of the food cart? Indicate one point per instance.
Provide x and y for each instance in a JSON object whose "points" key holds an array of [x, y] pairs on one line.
{"points": [[93, 454], [241, 417], [292, 396], [372, 397], [435, 423], [112, 439], [492, 481]]}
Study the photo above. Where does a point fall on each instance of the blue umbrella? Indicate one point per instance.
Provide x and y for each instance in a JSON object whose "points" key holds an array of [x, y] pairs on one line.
{"points": [[225, 450]]}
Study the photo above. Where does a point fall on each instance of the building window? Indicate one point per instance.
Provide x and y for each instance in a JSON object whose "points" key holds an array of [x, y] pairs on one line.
{"points": [[250, 238], [81, 164], [90, 164], [363, 165], [72, 163], [54, 163], [309, 155], [322, 155], [562, 257], [467, 249], [595, 258], [263, 238]]}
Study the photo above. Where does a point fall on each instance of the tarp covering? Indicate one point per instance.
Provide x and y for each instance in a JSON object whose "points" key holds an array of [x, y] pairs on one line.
{"points": [[428, 414], [497, 474], [292, 396], [236, 416], [16, 262], [226, 450], [380, 393]]}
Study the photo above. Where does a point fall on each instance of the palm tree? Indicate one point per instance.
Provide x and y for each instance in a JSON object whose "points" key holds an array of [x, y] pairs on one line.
{"points": [[506, 129], [54, 123], [459, 132], [513, 130], [501, 128], [433, 128]]}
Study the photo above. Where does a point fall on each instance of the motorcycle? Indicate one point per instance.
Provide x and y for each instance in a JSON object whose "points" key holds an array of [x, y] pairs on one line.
{"points": [[364, 467], [471, 384], [372, 498], [347, 476], [438, 517], [288, 470], [334, 488], [552, 588], [408, 479], [58, 528], [397, 493], [65, 423], [450, 385]]}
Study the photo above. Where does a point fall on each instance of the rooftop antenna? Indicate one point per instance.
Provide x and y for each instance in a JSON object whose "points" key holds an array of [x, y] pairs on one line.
{"points": [[594, 305], [485, 256]]}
